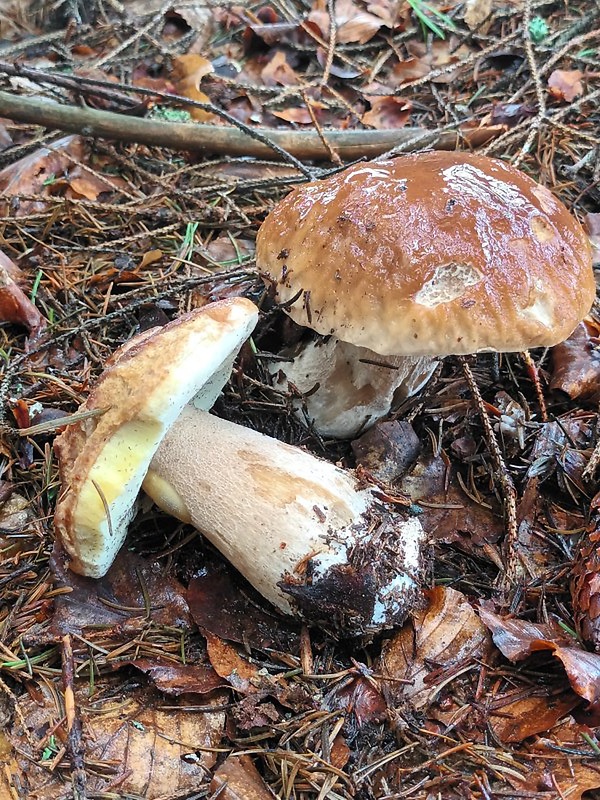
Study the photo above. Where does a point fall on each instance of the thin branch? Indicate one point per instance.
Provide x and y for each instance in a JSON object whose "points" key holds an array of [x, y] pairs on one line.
{"points": [[225, 140]]}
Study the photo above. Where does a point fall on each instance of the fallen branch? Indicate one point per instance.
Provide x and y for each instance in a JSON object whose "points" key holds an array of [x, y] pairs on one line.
{"points": [[227, 140]]}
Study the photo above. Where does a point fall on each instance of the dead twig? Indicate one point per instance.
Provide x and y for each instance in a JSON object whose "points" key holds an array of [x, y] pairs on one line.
{"points": [[286, 145], [74, 742], [509, 494]]}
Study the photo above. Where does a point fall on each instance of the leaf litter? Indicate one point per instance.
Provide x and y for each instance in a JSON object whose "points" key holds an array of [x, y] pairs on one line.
{"points": [[185, 683]]}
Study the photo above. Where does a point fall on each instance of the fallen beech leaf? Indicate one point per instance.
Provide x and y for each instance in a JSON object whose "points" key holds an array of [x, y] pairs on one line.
{"points": [[150, 257], [16, 517], [576, 363], [532, 512], [510, 114], [278, 72], [238, 779], [35, 173], [300, 116], [592, 225], [516, 720], [220, 605], [585, 583], [517, 639], [188, 71], [15, 306], [476, 12], [448, 633], [424, 59], [84, 183], [387, 112], [553, 442], [175, 679], [340, 752], [583, 671], [339, 69], [565, 85], [116, 605], [275, 32], [133, 743], [566, 777], [229, 664], [449, 514], [354, 24], [198, 16], [247, 679], [361, 697]]}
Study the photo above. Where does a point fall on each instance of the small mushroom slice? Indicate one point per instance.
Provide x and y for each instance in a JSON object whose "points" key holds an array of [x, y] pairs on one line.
{"points": [[306, 534], [104, 458]]}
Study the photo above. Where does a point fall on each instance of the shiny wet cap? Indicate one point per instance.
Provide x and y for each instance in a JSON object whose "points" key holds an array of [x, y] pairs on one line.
{"points": [[435, 253]]}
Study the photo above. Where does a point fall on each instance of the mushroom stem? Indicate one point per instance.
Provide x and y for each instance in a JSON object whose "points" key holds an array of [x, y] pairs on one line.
{"points": [[355, 386], [306, 534]]}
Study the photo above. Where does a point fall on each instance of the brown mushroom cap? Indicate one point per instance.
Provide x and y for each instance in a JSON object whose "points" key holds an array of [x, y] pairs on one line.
{"points": [[430, 254]]}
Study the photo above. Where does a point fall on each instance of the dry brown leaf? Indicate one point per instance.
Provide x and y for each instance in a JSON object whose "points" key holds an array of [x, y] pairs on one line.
{"points": [[127, 585], [565, 84], [35, 173], [88, 184], [133, 743], [387, 112], [278, 72], [174, 678], [448, 633], [219, 605], [238, 779], [229, 664], [567, 777], [51, 170], [150, 257], [424, 59], [576, 364], [361, 697], [592, 225], [354, 24], [188, 71], [476, 12], [449, 514], [513, 720], [585, 581], [15, 306], [300, 116], [518, 639]]}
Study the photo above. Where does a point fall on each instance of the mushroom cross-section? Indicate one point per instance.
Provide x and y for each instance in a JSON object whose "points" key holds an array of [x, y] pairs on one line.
{"points": [[103, 459], [418, 257]]}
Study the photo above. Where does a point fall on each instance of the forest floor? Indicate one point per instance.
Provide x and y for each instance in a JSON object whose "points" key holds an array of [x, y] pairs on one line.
{"points": [[170, 677]]}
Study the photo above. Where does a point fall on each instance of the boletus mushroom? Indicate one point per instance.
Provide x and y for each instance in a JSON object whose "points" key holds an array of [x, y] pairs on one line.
{"points": [[397, 263], [104, 458], [311, 537]]}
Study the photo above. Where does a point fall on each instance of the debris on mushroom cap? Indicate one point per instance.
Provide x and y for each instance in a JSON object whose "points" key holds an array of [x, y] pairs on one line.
{"points": [[306, 534], [429, 254], [103, 459]]}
